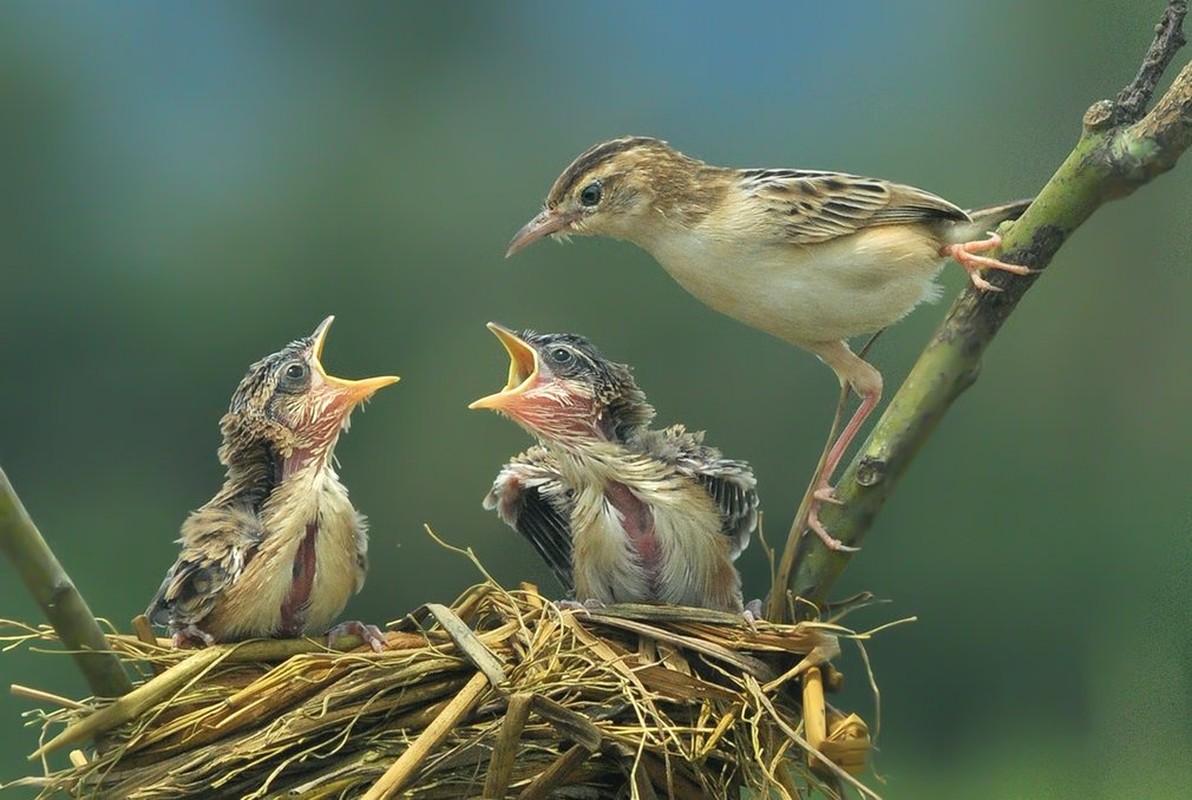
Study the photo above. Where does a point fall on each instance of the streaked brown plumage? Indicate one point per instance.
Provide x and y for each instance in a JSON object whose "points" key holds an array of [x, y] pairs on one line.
{"points": [[621, 513], [811, 257], [280, 549]]}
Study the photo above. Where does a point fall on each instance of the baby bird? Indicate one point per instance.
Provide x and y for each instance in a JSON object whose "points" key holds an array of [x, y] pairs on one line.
{"points": [[811, 257], [280, 549], [621, 513]]}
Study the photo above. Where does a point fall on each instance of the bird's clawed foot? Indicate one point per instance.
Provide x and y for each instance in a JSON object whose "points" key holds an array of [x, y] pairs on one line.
{"points": [[573, 605], [373, 636], [192, 635], [831, 542], [963, 253], [753, 613], [826, 494]]}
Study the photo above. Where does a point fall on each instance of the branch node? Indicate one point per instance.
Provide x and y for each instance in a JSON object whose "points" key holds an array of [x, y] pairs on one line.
{"points": [[870, 471], [1099, 117]]}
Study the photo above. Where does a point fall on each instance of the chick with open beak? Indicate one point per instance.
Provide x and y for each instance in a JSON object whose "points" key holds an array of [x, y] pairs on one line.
{"points": [[280, 549], [620, 513]]}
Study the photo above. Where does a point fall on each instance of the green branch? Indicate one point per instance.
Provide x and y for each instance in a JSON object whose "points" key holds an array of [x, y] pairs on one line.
{"points": [[54, 591], [1119, 151]]}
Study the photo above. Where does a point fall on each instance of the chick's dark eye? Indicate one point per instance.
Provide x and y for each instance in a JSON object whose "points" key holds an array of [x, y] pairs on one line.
{"points": [[560, 355], [591, 194], [295, 378]]}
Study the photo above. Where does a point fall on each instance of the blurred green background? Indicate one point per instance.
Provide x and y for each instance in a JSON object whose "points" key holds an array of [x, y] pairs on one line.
{"points": [[186, 187]]}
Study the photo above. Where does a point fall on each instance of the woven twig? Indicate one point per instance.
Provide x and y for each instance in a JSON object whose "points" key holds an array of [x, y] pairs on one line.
{"points": [[502, 693]]}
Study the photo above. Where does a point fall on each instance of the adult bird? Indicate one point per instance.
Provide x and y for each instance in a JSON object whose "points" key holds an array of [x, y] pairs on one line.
{"points": [[280, 549], [620, 512], [811, 257]]}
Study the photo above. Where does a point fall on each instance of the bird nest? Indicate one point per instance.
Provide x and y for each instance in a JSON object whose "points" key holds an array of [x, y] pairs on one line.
{"points": [[502, 694]]}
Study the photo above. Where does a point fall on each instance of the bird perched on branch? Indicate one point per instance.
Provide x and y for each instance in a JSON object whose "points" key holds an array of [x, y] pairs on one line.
{"points": [[811, 257], [280, 549], [621, 513]]}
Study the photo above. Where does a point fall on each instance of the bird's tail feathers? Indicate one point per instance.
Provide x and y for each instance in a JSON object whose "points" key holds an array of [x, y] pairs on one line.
{"points": [[986, 219]]}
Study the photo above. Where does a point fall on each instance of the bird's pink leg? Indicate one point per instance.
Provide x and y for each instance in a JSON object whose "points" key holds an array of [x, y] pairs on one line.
{"points": [[866, 382], [972, 264], [371, 634], [824, 491]]}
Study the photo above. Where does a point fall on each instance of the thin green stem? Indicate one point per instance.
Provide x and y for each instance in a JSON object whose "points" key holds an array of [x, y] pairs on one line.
{"points": [[58, 597]]}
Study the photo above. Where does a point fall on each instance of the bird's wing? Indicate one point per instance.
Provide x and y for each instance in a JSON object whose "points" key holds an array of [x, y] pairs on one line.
{"points": [[217, 543], [811, 207], [361, 550], [729, 483], [530, 496]]}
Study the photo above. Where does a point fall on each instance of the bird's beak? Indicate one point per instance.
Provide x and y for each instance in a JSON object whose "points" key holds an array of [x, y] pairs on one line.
{"points": [[523, 369], [346, 394], [548, 222]]}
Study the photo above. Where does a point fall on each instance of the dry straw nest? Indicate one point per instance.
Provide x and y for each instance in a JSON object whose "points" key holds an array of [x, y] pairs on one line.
{"points": [[500, 695]]}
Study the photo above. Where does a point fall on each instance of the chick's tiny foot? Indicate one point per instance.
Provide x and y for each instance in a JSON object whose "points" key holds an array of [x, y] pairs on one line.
{"points": [[572, 605], [831, 542], [371, 634], [963, 253], [753, 613], [192, 635]]}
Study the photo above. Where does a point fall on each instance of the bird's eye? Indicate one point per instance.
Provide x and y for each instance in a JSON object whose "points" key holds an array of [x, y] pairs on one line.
{"points": [[591, 194], [295, 378], [560, 355]]}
